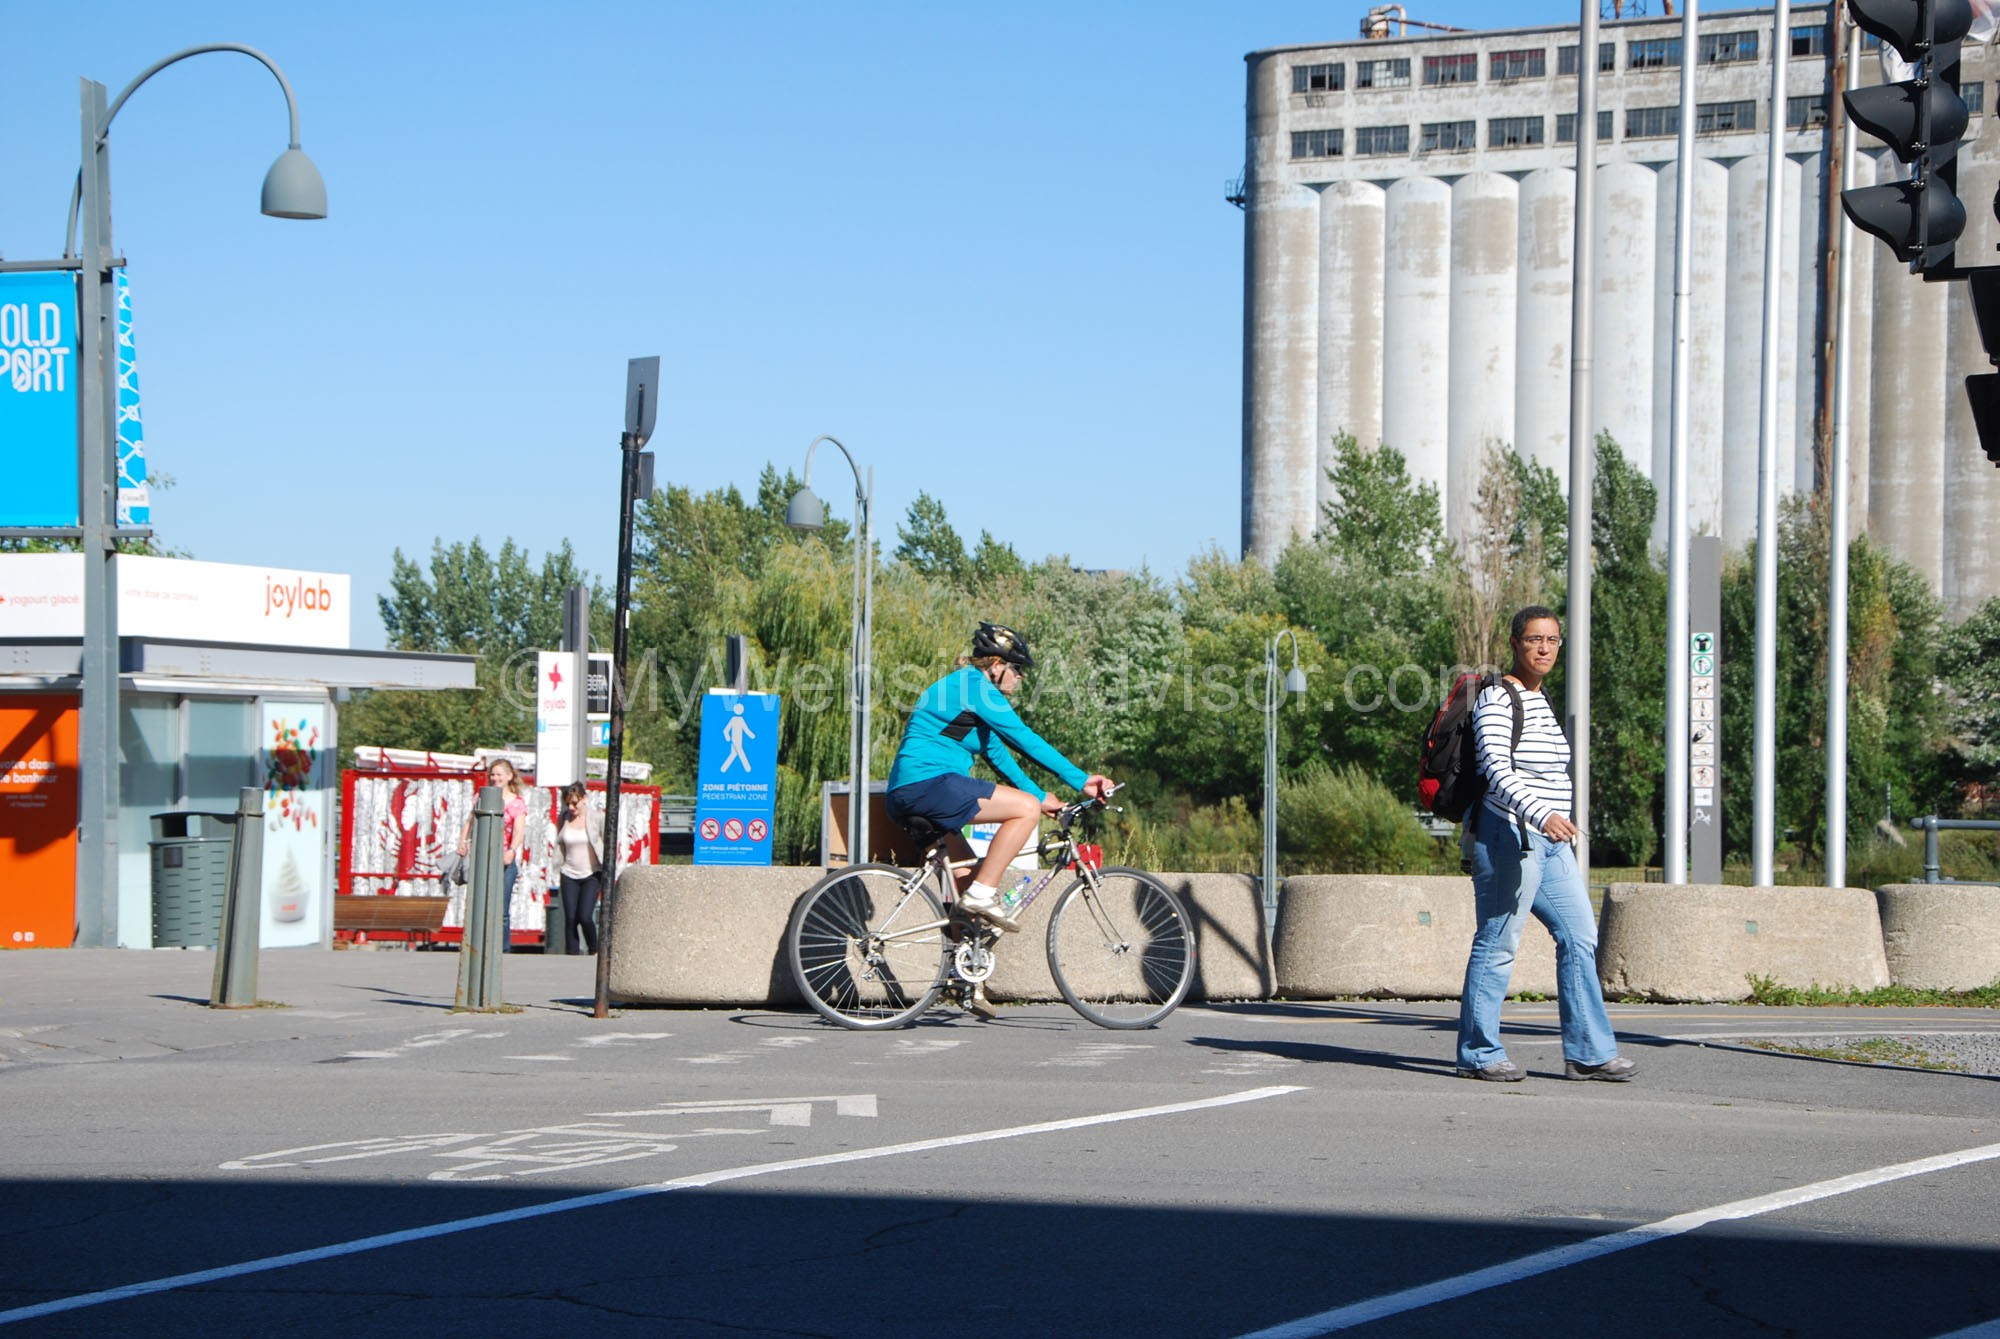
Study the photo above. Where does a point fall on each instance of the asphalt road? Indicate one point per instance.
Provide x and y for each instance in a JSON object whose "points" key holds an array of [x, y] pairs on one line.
{"points": [[363, 1161]]}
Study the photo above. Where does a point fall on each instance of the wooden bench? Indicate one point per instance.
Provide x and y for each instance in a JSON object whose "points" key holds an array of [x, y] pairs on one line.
{"points": [[416, 917]]}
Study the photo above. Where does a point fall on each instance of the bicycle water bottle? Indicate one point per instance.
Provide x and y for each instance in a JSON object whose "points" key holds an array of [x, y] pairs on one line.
{"points": [[1013, 896]]}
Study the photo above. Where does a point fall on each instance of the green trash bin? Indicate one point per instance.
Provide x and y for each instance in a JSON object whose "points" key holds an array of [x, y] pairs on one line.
{"points": [[190, 877]]}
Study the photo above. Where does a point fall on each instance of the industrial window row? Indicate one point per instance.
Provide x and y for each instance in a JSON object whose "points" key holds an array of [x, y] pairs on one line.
{"points": [[1655, 53], [1807, 112]]}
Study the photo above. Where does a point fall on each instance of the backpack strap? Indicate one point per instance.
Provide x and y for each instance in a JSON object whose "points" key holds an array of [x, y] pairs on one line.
{"points": [[1520, 719]]}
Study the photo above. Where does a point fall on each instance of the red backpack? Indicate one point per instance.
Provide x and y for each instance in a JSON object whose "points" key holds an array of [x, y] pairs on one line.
{"points": [[1448, 780]]}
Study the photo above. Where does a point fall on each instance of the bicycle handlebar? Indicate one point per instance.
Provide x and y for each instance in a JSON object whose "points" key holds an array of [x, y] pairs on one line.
{"points": [[1076, 809]]}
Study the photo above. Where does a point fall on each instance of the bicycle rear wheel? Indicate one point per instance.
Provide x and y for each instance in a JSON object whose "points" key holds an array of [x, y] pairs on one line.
{"points": [[1122, 952], [868, 948]]}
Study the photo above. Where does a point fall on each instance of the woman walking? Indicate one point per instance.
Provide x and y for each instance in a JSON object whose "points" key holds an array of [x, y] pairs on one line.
{"points": [[582, 866], [1524, 861]]}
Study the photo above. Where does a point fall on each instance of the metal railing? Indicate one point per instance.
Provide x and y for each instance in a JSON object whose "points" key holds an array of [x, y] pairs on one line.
{"points": [[1932, 826]]}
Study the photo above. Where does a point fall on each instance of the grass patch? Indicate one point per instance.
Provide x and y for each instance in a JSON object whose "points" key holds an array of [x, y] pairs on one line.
{"points": [[1763, 990], [1866, 1051]]}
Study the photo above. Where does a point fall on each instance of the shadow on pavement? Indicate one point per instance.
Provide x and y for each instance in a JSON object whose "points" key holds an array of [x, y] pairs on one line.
{"points": [[904, 1262]]}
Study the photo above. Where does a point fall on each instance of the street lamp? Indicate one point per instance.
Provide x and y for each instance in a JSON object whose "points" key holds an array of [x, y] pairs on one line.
{"points": [[807, 512], [292, 189], [1295, 684]]}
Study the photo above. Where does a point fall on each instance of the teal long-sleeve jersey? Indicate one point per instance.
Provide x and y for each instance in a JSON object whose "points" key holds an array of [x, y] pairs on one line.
{"points": [[963, 716]]}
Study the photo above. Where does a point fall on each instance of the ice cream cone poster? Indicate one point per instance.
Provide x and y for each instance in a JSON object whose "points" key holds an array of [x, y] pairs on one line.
{"points": [[297, 804]]}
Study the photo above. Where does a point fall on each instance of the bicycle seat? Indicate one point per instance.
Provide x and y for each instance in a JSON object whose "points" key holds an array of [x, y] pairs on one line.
{"points": [[926, 833]]}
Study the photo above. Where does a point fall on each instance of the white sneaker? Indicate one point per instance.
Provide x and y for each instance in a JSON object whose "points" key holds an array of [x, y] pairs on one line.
{"points": [[988, 909], [978, 1004]]}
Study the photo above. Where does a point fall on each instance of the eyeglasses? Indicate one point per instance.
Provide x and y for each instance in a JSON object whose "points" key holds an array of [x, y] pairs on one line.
{"points": [[1542, 641]]}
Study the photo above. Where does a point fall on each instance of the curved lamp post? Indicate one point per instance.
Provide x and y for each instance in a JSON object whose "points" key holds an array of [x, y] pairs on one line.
{"points": [[807, 512], [292, 189], [1295, 684]]}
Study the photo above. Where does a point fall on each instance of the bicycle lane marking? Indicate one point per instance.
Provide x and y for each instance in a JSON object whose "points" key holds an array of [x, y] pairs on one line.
{"points": [[698, 1181], [1562, 1257]]}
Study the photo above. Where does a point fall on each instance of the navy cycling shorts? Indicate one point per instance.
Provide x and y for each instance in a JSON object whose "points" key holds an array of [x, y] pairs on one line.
{"points": [[950, 801]]}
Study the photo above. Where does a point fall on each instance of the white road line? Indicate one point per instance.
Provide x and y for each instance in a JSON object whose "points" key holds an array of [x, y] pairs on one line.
{"points": [[1561, 1257], [698, 1181], [1990, 1330]]}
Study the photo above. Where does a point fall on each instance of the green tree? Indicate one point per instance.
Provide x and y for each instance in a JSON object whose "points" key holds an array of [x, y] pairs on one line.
{"points": [[994, 563], [1504, 564], [929, 545], [1379, 520], [1966, 662], [1628, 615], [1372, 588], [1896, 711], [698, 562], [501, 607], [471, 601]]}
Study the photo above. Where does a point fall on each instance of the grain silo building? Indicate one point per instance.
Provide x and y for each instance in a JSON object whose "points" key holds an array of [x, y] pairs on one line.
{"points": [[1409, 206]]}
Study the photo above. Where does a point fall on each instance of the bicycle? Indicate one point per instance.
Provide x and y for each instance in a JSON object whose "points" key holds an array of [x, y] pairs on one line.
{"points": [[874, 946]]}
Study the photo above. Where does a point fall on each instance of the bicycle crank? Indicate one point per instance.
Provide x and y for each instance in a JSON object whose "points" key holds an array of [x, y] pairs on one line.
{"points": [[973, 962]]}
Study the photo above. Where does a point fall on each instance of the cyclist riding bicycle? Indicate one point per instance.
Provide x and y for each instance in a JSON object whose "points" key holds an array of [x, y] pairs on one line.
{"points": [[963, 716]]}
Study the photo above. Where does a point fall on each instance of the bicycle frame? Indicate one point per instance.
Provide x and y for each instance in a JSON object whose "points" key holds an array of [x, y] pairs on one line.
{"points": [[937, 866]]}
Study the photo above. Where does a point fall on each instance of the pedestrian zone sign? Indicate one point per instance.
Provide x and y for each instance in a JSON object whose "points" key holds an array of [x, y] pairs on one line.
{"points": [[736, 785]]}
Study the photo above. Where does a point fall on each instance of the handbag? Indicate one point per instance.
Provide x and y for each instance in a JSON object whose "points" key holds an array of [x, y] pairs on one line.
{"points": [[451, 868]]}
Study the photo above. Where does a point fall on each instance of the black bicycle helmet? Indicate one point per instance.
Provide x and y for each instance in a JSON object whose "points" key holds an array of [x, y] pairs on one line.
{"points": [[993, 639]]}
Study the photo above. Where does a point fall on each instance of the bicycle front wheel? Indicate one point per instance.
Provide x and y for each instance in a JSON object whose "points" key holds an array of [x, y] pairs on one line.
{"points": [[1121, 948], [868, 948]]}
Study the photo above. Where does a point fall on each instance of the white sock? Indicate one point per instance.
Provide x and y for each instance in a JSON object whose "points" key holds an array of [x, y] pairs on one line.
{"points": [[981, 893]]}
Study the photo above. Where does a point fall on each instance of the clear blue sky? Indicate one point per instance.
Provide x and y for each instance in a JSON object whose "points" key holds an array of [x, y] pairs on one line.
{"points": [[986, 247]]}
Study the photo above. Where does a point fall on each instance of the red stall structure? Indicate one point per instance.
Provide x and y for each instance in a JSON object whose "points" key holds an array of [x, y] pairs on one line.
{"points": [[403, 811]]}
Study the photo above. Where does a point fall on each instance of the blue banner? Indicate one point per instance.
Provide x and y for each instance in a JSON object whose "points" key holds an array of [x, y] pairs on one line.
{"points": [[38, 398], [736, 786], [135, 500]]}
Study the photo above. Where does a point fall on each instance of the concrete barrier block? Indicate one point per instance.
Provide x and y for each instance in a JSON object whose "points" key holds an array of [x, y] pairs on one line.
{"points": [[714, 935], [1702, 942], [1387, 935], [1234, 949], [704, 934], [1940, 936], [1231, 959]]}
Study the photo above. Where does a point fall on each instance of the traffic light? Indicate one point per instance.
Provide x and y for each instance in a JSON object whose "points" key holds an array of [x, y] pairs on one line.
{"points": [[1983, 388], [1921, 120]]}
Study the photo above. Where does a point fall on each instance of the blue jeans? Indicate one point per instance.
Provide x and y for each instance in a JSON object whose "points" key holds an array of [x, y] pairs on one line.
{"points": [[508, 878], [1507, 884]]}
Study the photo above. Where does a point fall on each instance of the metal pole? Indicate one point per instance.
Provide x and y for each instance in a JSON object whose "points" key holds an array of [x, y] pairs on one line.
{"points": [[97, 708], [1270, 888], [614, 764], [1674, 859], [1836, 633], [858, 799], [485, 912], [235, 985], [1582, 441], [1764, 809]]}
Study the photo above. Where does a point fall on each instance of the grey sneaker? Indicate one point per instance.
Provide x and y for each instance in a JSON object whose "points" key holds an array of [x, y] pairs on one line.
{"points": [[977, 1003], [1615, 1070], [1500, 1071], [990, 912]]}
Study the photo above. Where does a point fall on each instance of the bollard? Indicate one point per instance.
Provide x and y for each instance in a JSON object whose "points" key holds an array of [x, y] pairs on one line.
{"points": [[555, 938], [242, 907], [485, 916]]}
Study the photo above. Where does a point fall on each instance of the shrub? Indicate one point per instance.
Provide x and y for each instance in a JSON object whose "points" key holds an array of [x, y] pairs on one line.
{"points": [[1343, 821]]}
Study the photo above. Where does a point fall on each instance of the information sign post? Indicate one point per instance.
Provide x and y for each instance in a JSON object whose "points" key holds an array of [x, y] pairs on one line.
{"points": [[736, 789]]}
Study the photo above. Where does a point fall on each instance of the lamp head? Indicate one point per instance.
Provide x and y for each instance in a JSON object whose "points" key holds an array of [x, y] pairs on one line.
{"points": [[293, 188], [805, 511], [1295, 681]]}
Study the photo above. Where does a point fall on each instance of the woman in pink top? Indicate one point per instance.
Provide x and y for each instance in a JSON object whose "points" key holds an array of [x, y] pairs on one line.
{"points": [[513, 838]]}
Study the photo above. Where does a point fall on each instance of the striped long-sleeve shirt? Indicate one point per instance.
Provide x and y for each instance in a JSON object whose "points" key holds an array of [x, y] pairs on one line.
{"points": [[1534, 782]]}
